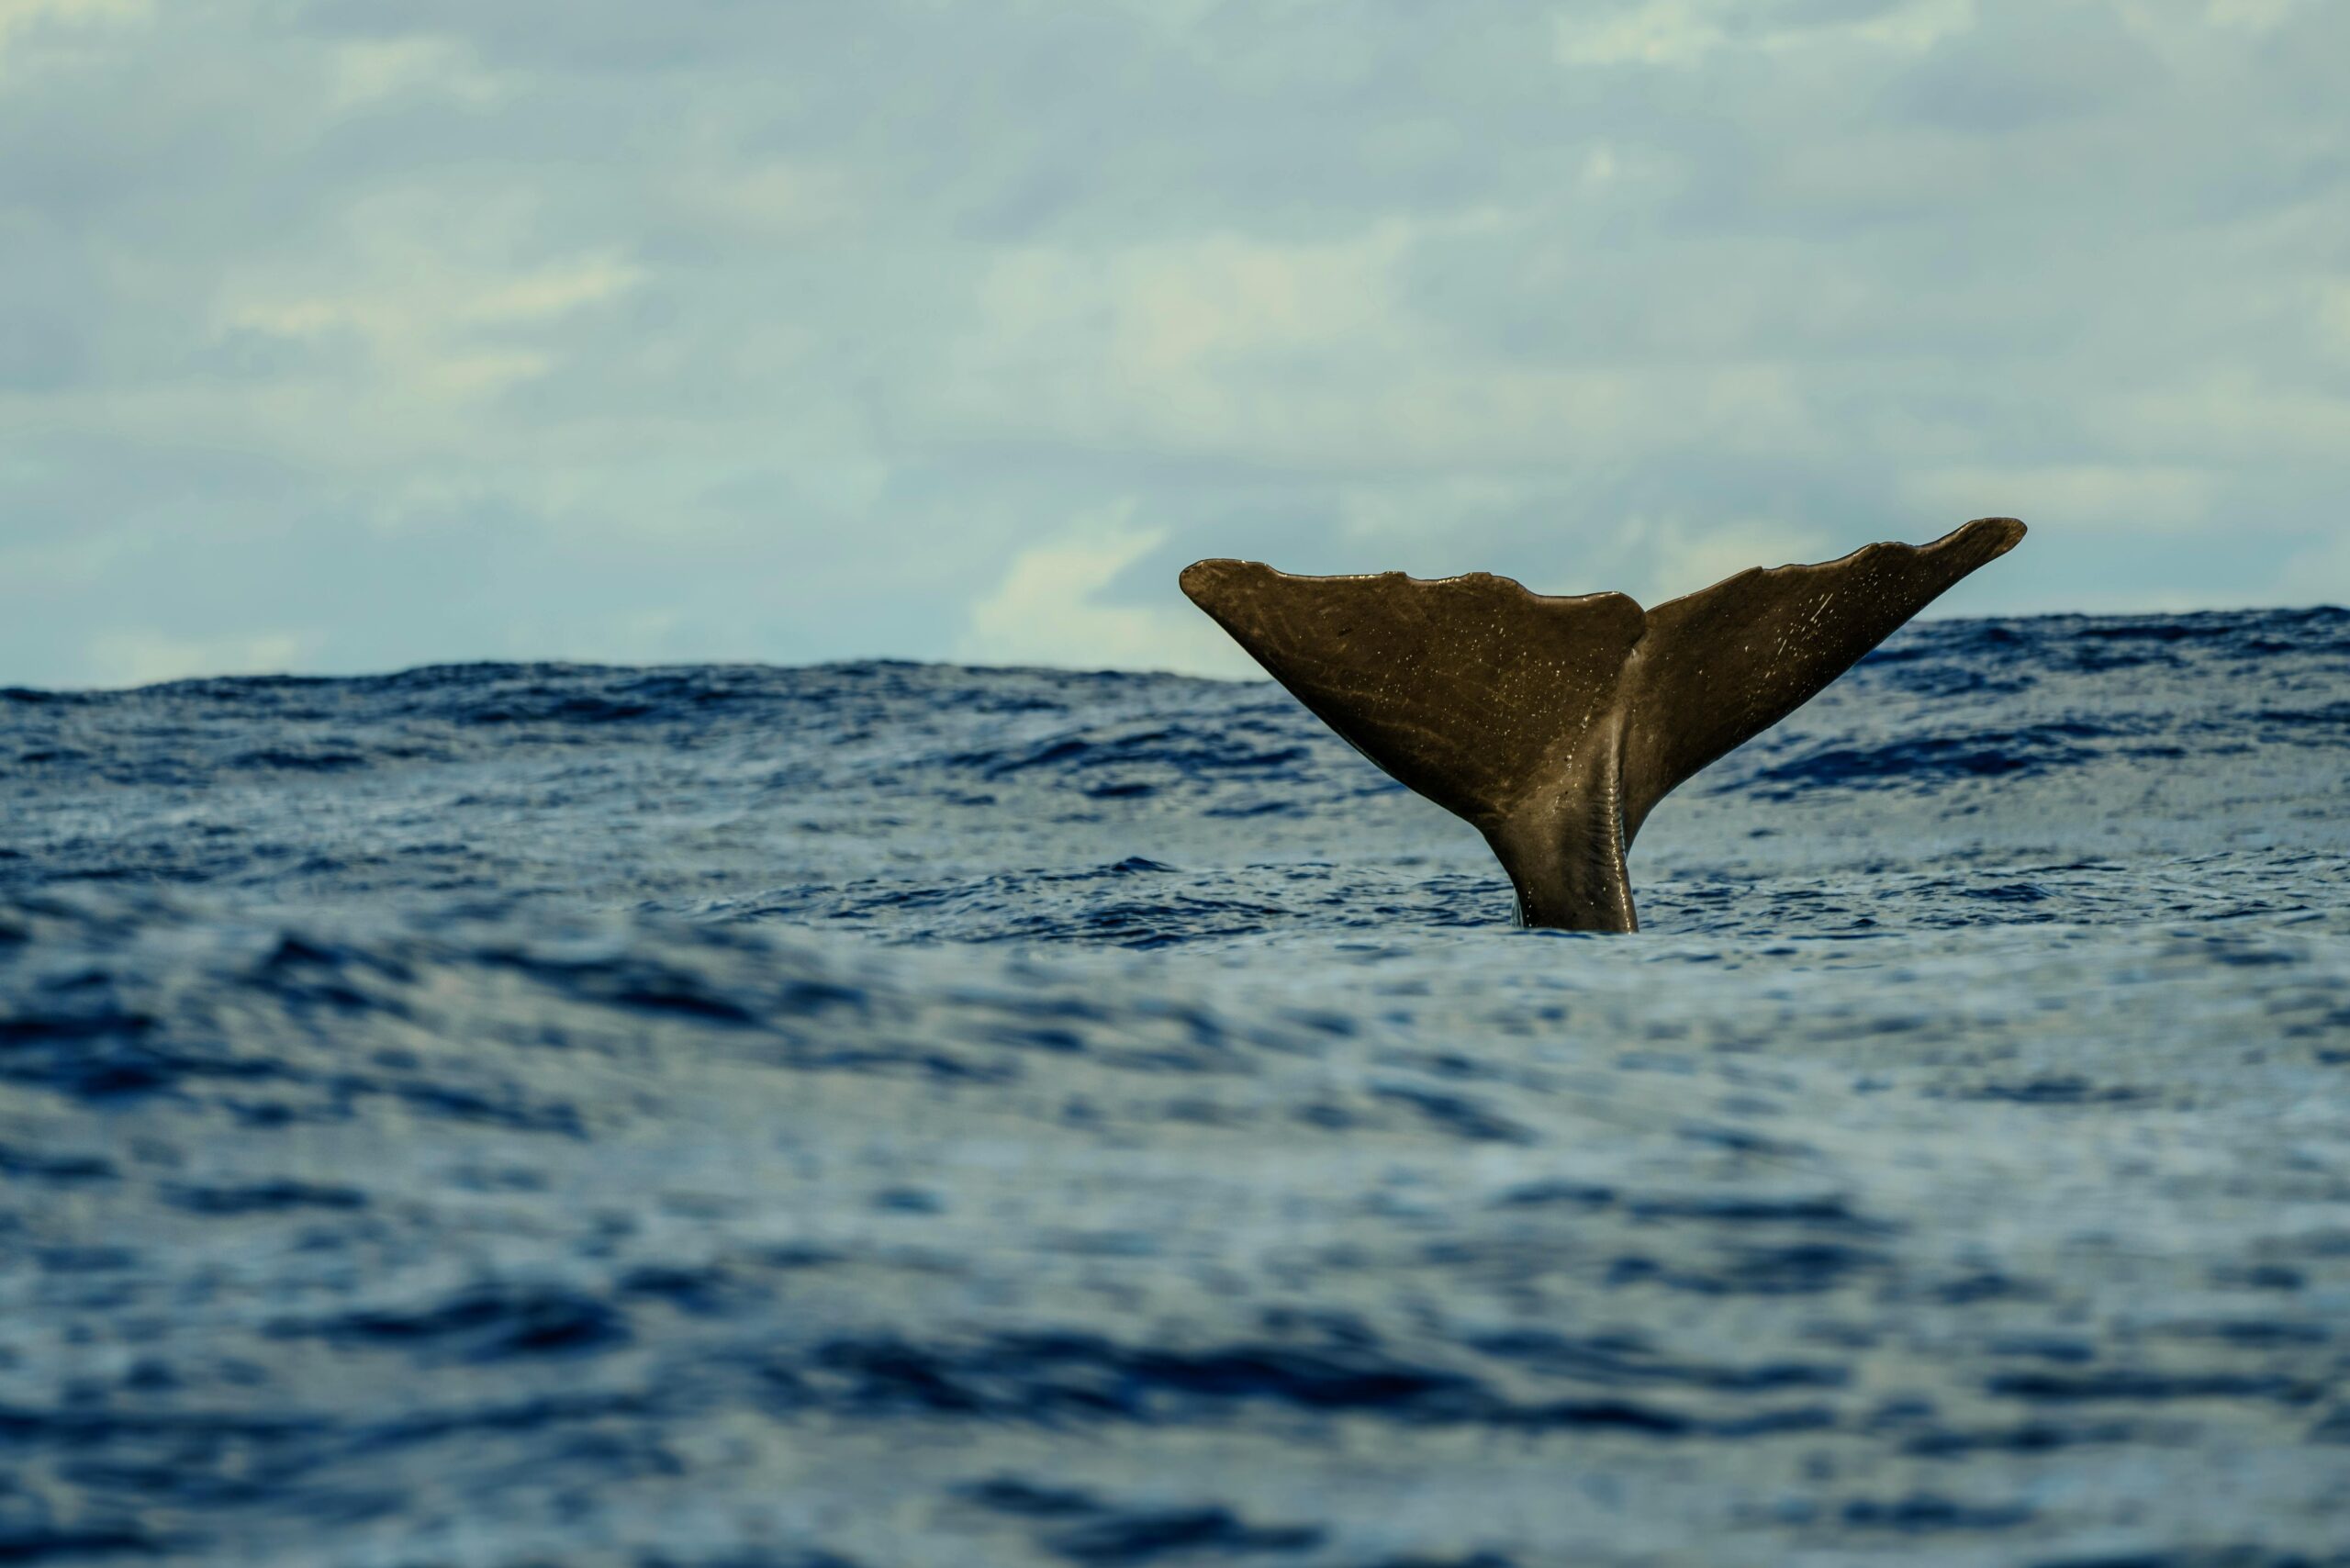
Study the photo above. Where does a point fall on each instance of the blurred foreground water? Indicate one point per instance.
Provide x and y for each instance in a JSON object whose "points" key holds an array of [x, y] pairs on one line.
{"points": [[899, 1114]]}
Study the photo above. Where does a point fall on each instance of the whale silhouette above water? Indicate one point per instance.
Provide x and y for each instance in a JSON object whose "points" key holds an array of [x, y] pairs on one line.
{"points": [[1555, 724]]}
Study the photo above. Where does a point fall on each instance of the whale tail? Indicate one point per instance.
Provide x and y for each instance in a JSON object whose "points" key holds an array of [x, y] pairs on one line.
{"points": [[1555, 724]]}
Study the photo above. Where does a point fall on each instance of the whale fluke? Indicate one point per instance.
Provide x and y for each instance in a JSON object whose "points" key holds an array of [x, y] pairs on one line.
{"points": [[1555, 724]]}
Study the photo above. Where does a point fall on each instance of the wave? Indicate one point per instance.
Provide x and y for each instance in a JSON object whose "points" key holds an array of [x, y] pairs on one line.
{"points": [[500, 1115]]}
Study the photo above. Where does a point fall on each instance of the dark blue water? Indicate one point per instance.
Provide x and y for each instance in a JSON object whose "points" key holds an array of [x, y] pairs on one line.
{"points": [[896, 1114]]}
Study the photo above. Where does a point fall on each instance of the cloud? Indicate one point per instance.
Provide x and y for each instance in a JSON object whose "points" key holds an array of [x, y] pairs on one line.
{"points": [[2133, 497], [1684, 32], [1687, 558], [137, 657], [2256, 15], [371, 70], [20, 18], [1046, 611], [802, 331], [435, 322]]}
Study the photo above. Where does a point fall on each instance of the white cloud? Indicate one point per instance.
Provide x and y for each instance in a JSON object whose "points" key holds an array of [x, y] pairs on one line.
{"points": [[2234, 414], [44, 40], [1219, 343], [2133, 498], [1685, 32], [806, 323], [764, 199], [429, 297], [2254, 15], [1663, 32], [1398, 511], [1687, 558], [436, 322], [551, 291], [1043, 611], [22, 16], [137, 657], [373, 70], [1310, 355], [1916, 27], [2333, 316]]}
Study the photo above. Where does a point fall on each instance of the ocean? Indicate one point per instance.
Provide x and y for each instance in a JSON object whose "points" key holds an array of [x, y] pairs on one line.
{"points": [[876, 1114]]}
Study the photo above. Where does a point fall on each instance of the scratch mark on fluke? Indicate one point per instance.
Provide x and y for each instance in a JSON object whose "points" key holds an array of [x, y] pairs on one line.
{"points": [[1555, 724]]}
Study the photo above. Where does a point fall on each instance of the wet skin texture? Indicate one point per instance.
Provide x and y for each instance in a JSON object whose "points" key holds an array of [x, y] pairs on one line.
{"points": [[1554, 725]]}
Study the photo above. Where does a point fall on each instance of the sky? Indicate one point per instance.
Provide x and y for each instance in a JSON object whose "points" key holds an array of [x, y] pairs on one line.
{"points": [[337, 336]]}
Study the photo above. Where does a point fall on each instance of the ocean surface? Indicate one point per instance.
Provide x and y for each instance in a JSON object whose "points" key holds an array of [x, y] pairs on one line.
{"points": [[876, 1114]]}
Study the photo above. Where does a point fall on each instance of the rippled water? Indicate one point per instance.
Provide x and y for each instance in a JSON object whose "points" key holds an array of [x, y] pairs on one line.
{"points": [[896, 1114]]}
